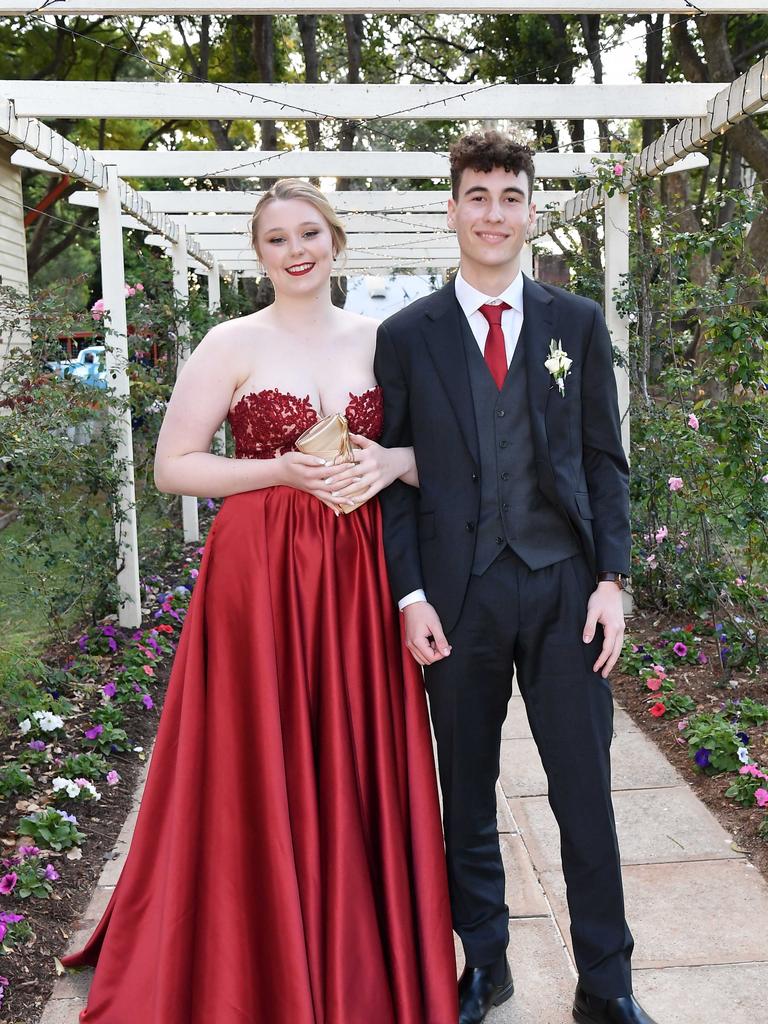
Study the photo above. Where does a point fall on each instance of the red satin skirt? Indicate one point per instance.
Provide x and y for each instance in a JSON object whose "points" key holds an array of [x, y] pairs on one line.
{"points": [[287, 865]]}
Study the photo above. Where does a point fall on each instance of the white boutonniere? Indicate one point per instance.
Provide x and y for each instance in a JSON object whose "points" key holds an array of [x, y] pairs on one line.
{"points": [[558, 364]]}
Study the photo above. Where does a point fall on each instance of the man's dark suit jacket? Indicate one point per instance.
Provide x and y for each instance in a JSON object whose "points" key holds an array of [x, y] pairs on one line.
{"points": [[421, 365]]}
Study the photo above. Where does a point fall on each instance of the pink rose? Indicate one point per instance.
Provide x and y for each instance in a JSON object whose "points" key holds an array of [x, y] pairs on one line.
{"points": [[675, 483], [618, 170], [693, 422]]}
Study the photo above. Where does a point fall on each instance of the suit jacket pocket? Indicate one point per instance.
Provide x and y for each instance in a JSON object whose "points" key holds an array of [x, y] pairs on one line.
{"points": [[583, 505], [427, 529]]}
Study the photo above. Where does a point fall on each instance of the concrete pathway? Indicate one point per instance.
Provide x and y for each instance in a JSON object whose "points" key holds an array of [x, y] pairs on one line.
{"points": [[697, 908]]}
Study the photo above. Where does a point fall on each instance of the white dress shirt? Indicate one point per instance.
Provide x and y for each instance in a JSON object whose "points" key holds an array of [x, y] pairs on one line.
{"points": [[470, 300]]}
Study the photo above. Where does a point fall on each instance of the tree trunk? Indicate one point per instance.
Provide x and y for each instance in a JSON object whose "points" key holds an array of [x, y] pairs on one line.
{"points": [[308, 31], [654, 68], [590, 30], [353, 28], [263, 57]]}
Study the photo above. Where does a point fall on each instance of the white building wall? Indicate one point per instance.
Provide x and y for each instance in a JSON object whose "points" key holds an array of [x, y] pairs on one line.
{"points": [[13, 246]]}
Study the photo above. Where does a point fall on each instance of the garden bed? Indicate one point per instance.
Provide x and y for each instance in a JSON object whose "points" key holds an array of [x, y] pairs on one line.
{"points": [[736, 740], [98, 700]]}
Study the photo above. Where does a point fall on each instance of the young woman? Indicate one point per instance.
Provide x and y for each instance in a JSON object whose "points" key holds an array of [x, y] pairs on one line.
{"points": [[287, 864]]}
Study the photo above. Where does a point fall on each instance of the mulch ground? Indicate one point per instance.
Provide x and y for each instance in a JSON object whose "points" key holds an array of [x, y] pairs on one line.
{"points": [[705, 685], [31, 968]]}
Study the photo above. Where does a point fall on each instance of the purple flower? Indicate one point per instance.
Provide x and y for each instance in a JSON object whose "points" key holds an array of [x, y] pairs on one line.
{"points": [[108, 631], [210, 503], [51, 874], [93, 733], [680, 649], [112, 644], [109, 689], [147, 701], [3, 930], [68, 817], [743, 737], [36, 745], [28, 851], [112, 778], [82, 642], [8, 883], [702, 658], [702, 757], [8, 918]]}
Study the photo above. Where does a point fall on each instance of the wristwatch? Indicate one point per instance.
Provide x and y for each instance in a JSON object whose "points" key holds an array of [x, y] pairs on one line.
{"points": [[613, 577]]}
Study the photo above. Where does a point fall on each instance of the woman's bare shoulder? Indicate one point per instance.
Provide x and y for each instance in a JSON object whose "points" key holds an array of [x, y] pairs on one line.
{"points": [[234, 331], [359, 328]]}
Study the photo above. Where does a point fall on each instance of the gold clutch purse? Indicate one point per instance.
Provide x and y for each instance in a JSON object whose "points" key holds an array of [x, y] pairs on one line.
{"points": [[329, 439]]}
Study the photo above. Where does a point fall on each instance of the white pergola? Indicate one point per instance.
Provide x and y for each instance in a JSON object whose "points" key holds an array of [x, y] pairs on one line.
{"points": [[208, 230]]}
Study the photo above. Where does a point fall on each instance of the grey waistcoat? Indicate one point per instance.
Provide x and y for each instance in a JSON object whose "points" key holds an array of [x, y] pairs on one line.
{"points": [[513, 511]]}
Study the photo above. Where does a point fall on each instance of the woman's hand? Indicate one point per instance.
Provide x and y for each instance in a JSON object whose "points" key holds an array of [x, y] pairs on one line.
{"points": [[306, 473], [374, 469]]}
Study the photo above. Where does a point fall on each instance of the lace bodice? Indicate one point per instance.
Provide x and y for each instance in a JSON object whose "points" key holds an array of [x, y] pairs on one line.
{"points": [[268, 423]]}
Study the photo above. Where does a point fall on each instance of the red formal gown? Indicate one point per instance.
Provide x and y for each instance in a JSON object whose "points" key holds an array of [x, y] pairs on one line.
{"points": [[287, 865]]}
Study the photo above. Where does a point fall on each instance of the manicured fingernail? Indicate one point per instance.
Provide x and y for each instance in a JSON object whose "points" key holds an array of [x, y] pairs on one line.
{"points": [[587, 638], [321, 462]]}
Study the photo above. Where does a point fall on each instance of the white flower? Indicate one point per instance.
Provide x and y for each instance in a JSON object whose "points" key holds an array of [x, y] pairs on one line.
{"points": [[558, 363], [47, 721], [74, 787], [90, 788], [743, 755], [25, 726], [69, 785]]}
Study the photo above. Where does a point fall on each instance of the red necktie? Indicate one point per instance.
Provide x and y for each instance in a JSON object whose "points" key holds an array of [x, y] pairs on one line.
{"points": [[495, 350]]}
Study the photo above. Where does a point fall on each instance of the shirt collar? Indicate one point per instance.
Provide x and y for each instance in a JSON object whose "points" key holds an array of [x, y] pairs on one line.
{"points": [[470, 299]]}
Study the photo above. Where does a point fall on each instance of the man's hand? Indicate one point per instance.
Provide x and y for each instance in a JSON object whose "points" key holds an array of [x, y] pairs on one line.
{"points": [[606, 607], [424, 635]]}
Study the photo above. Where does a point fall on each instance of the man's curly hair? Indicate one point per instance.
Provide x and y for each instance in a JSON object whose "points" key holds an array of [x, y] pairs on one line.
{"points": [[482, 151]]}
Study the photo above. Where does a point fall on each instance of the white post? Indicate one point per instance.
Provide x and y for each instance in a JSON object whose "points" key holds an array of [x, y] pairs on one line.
{"points": [[616, 271], [214, 303], [616, 230], [113, 285], [181, 288]]}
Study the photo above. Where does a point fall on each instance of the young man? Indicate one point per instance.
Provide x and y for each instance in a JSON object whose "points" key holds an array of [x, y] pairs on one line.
{"points": [[510, 558]]}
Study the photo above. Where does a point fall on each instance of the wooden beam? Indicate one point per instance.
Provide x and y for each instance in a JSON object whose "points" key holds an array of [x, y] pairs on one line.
{"points": [[102, 7], [306, 163], [369, 241], [390, 203], [56, 154], [285, 102]]}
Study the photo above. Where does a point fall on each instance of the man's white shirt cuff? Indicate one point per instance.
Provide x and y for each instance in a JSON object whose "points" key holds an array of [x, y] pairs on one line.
{"points": [[412, 598]]}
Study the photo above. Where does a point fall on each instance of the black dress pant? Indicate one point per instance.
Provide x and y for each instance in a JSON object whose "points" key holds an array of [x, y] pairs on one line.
{"points": [[530, 623]]}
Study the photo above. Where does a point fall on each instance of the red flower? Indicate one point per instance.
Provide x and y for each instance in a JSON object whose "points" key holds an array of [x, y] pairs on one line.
{"points": [[658, 710], [164, 629]]}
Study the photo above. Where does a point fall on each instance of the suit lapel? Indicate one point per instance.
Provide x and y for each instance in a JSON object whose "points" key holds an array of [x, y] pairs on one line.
{"points": [[539, 313], [444, 339]]}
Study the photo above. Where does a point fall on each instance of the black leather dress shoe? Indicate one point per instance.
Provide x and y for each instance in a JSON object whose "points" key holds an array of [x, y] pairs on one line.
{"points": [[478, 993], [589, 1009]]}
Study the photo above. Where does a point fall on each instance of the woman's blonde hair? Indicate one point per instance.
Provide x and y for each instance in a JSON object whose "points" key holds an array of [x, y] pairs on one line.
{"points": [[294, 188]]}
